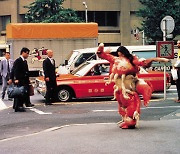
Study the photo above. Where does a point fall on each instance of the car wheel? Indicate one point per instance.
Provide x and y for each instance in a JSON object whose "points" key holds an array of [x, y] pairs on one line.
{"points": [[64, 95]]}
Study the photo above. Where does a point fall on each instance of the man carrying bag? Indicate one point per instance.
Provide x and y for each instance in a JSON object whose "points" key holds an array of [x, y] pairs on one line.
{"points": [[20, 76]]}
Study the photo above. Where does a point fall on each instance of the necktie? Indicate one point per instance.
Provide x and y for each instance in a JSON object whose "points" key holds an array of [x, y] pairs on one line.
{"points": [[26, 65], [8, 66]]}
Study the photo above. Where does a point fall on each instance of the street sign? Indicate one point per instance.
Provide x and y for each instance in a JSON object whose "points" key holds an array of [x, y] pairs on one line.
{"points": [[165, 49], [169, 24]]}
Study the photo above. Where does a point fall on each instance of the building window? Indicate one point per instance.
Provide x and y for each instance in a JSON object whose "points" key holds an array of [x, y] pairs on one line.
{"points": [[103, 18], [23, 19], [5, 20]]}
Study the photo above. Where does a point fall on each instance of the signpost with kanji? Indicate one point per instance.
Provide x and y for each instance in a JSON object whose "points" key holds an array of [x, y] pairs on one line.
{"points": [[165, 49]]}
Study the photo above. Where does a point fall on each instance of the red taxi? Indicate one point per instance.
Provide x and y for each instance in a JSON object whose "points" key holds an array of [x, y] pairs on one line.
{"points": [[88, 80]]}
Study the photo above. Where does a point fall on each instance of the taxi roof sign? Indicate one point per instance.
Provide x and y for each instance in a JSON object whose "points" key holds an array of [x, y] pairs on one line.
{"points": [[165, 49]]}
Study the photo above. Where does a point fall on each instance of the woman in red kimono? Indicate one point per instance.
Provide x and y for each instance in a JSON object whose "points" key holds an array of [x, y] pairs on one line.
{"points": [[123, 69]]}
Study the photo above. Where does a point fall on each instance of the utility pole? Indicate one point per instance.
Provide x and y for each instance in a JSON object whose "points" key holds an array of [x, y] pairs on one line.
{"points": [[85, 5]]}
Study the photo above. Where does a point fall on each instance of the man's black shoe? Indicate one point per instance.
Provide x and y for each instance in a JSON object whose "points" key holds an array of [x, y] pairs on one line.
{"points": [[10, 99], [30, 105], [20, 109], [48, 104]]}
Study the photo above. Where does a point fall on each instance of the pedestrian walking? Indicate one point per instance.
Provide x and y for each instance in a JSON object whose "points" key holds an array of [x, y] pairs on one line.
{"points": [[20, 77], [50, 78], [5, 69]]}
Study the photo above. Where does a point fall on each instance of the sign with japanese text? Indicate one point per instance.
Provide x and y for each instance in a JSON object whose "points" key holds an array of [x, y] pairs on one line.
{"points": [[165, 49]]}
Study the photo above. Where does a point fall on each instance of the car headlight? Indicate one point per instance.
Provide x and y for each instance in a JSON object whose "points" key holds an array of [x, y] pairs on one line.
{"points": [[40, 84]]}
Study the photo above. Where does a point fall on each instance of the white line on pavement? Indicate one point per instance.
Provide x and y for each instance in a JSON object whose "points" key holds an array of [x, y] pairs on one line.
{"points": [[39, 112], [104, 110], [172, 90], [2, 105], [141, 108], [161, 107], [156, 94]]}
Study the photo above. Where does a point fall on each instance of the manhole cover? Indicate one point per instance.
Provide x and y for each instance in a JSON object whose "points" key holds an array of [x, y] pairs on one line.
{"points": [[73, 111]]}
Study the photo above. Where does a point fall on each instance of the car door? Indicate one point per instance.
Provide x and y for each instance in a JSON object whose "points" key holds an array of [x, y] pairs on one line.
{"points": [[93, 83]]}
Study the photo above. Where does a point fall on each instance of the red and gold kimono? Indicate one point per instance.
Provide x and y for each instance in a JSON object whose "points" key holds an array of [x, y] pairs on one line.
{"points": [[128, 99]]}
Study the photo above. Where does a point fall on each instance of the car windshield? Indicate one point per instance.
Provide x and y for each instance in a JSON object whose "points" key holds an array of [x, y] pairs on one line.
{"points": [[78, 71], [73, 56]]}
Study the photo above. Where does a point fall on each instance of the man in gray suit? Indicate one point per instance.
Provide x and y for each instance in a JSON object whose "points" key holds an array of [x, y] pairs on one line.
{"points": [[5, 69]]}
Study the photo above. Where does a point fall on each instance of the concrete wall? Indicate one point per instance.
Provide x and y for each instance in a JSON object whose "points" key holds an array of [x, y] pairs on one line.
{"points": [[61, 47]]}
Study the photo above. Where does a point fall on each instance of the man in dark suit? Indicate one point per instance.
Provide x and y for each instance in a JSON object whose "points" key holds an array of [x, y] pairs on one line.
{"points": [[20, 76], [50, 78]]}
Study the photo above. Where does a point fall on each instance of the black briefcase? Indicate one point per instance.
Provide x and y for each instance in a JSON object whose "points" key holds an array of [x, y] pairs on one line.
{"points": [[16, 91]]}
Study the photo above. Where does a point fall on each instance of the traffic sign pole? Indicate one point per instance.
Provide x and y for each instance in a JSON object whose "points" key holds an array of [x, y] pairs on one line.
{"points": [[164, 39], [165, 49], [164, 30], [164, 81]]}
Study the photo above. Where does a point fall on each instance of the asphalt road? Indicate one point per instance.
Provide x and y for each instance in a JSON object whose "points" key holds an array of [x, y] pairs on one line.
{"points": [[89, 126]]}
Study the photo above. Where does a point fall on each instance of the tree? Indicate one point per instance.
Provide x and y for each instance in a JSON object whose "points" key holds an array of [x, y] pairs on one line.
{"points": [[153, 12], [50, 11]]}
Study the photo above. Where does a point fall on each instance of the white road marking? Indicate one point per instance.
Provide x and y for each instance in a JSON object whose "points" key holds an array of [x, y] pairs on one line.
{"points": [[2, 105], [177, 114], [39, 111], [141, 108], [161, 107], [161, 94], [172, 90], [104, 110], [50, 130]]}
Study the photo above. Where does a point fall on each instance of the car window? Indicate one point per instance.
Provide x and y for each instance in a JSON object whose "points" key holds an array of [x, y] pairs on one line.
{"points": [[79, 68], [145, 54], [84, 57], [104, 68], [73, 56], [99, 70]]}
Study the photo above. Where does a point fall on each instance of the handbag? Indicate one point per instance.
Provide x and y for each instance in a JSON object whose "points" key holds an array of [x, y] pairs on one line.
{"points": [[15, 91], [174, 74], [31, 90]]}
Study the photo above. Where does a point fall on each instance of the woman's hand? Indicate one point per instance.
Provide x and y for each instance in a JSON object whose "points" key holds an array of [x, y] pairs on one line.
{"points": [[47, 79], [16, 81], [10, 81], [100, 48]]}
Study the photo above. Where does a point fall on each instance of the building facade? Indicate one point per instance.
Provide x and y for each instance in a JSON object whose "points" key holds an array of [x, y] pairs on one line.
{"points": [[117, 19]]}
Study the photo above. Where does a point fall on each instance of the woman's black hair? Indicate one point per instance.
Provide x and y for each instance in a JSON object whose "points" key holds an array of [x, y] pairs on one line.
{"points": [[126, 53]]}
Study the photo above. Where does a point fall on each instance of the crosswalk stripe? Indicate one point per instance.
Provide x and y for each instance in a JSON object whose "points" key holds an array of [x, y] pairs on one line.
{"points": [[39, 111], [2, 105], [161, 107]]}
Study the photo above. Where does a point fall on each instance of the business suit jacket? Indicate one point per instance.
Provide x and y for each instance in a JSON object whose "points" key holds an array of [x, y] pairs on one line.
{"points": [[49, 69], [4, 67], [20, 71]]}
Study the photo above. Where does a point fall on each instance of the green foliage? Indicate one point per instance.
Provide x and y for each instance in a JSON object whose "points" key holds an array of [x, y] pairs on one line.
{"points": [[153, 12], [50, 11]]}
